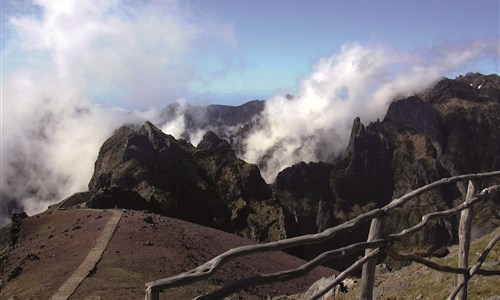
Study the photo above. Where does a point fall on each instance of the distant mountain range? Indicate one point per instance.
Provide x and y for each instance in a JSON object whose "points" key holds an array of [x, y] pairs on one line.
{"points": [[231, 123]]}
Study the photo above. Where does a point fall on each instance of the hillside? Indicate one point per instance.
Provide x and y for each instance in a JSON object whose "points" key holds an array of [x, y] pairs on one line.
{"points": [[417, 281], [143, 248], [207, 184], [452, 128]]}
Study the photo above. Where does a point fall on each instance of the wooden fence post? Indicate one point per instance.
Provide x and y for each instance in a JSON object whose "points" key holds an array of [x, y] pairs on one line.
{"points": [[464, 230], [152, 294], [368, 274]]}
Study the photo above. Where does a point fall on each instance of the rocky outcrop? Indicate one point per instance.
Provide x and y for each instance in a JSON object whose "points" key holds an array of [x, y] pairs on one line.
{"points": [[471, 86], [421, 116], [465, 113], [452, 128], [364, 176], [304, 193], [207, 185], [240, 186]]}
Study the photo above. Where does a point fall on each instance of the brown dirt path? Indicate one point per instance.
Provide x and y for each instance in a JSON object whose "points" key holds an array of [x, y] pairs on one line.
{"points": [[50, 248], [142, 251], [90, 262], [144, 247]]}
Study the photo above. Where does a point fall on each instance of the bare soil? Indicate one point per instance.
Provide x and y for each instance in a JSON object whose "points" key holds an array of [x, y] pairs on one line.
{"points": [[140, 251]]}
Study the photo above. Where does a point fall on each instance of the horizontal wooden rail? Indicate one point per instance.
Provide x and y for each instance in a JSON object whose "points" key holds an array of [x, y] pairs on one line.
{"points": [[209, 268]]}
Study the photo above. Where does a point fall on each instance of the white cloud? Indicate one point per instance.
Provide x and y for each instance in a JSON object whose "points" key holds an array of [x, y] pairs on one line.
{"points": [[176, 125], [360, 81], [51, 138], [70, 65], [73, 69], [136, 52]]}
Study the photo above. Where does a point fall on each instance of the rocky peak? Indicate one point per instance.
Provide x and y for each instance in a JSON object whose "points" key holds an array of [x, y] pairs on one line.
{"points": [[480, 81], [358, 130], [473, 87], [159, 140], [367, 164], [207, 185], [421, 116], [153, 133], [211, 142], [448, 88]]}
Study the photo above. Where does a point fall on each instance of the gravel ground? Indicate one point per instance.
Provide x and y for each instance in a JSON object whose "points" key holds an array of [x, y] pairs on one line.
{"points": [[144, 247]]}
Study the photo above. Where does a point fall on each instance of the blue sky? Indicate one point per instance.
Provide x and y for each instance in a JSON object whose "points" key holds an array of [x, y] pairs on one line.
{"points": [[280, 40], [233, 51]]}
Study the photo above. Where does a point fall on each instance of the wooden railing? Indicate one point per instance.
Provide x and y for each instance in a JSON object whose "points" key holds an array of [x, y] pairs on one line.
{"points": [[373, 246]]}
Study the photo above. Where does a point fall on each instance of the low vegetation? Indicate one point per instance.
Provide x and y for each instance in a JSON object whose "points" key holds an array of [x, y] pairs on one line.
{"points": [[419, 282]]}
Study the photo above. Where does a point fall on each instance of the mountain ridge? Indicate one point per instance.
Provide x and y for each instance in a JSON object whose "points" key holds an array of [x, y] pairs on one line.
{"points": [[449, 129], [438, 133]]}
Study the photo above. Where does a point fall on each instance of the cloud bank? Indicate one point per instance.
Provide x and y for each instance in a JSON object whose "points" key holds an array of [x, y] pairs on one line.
{"points": [[73, 71], [359, 81], [134, 52]]}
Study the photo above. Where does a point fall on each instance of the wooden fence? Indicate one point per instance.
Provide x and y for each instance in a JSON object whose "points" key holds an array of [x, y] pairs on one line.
{"points": [[373, 246]]}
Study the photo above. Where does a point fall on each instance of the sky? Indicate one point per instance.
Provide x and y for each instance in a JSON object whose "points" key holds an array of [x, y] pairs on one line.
{"points": [[72, 71], [280, 40], [234, 51]]}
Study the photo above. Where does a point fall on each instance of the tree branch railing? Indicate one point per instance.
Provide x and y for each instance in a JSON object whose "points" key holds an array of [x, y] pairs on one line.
{"points": [[435, 266], [464, 233], [475, 269], [209, 268], [368, 272]]}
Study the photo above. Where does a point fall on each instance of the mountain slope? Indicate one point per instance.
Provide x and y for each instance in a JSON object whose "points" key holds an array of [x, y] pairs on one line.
{"points": [[452, 128], [418, 281], [207, 185], [144, 247]]}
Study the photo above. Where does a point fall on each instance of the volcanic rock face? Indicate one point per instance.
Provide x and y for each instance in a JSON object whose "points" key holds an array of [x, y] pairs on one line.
{"points": [[450, 129], [304, 192], [364, 175], [305, 195], [207, 185]]}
